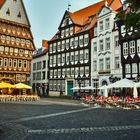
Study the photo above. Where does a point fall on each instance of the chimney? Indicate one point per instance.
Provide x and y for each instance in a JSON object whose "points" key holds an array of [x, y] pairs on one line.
{"points": [[45, 44]]}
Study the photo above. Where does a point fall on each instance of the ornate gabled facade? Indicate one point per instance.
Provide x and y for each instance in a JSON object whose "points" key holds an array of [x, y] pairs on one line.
{"points": [[130, 49], [106, 64], [70, 50], [16, 42]]}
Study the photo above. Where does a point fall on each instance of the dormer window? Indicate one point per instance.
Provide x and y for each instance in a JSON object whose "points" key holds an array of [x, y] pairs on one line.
{"points": [[19, 15], [8, 11]]}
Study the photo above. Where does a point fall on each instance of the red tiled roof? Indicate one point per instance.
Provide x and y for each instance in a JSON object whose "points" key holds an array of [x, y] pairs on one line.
{"points": [[81, 16], [1, 3], [116, 4]]}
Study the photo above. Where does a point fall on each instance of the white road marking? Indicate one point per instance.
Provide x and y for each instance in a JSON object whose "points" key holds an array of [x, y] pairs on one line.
{"points": [[51, 115], [85, 130]]}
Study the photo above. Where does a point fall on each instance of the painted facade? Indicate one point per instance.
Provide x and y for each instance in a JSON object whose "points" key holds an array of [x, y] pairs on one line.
{"points": [[106, 61], [16, 42]]}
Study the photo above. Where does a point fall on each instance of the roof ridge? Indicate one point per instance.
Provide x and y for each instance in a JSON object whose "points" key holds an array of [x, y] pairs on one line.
{"points": [[94, 4]]}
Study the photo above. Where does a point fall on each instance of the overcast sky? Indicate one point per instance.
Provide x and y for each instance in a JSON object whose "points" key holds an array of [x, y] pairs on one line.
{"points": [[46, 15]]}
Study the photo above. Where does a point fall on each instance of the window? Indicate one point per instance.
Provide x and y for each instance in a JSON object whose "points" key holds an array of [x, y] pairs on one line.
{"points": [[5, 62], [63, 46], [76, 42], [44, 64], [68, 58], [58, 46], [26, 52], [94, 66], [125, 48], [16, 50], [38, 76], [86, 39], [86, 70], [25, 64], [127, 68], [19, 63], [34, 76], [63, 58], [63, 72], [101, 45], [134, 68], [71, 30], [101, 65], [101, 25], [59, 72], [107, 43], [86, 55], [51, 48], [123, 29], [1, 48], [72, 42], [95, 31], [95, 83], [95, 46], [54, 47], [138, 45], [21, 51], [38, 65], [15, 63], [67, 32], [10, 62], [81, 56], [67, 44], [6, 49], [81, 40], [107, 23], [117, 64], [1, 62], [107, 63], [43, 75], [59, 59], [116, 41], [132, 47], [72, 57], [62, 33], [11, 50], [34, 66]]}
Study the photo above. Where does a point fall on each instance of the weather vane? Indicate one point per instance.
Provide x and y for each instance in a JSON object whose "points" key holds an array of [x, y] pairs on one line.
{"points": [[69, 5]]}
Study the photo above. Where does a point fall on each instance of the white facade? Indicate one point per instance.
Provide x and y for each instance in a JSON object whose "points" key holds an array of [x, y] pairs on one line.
{"points": [[105, 56], [39, 72]]}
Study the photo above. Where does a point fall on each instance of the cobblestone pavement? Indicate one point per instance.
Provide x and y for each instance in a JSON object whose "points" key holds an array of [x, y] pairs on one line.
{"points": [[66, 122]]}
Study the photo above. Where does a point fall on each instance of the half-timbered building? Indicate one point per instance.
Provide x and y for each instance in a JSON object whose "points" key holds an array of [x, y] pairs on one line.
{"points": [[16, 42], [130, 49], [70, 50], [106, 64]]}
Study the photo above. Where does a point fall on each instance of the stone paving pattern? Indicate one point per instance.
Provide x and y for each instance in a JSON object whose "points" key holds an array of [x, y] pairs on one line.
{"points": [[67, 122]]}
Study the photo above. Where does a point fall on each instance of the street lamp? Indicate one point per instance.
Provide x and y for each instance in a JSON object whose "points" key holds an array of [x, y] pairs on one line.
{"points": [[79, 80]]}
